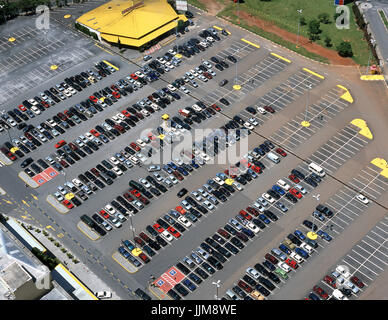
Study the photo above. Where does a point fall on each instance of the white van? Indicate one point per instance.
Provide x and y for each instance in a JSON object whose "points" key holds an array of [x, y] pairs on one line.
{"points": [[313, 167], [338, 295], [281, 183], [273, 157]]}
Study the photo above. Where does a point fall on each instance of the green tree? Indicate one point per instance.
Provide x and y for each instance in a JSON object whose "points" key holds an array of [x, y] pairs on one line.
{"points": [[314, 27], [345, 49], [328, 42], [324, 18], [303, 21]]}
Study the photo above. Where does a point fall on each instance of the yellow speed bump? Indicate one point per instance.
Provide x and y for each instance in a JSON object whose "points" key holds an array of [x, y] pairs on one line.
{"points": [[251, 43], [382, 164], [11, 39], [365, 131], [372, 77], [280, 57], [110, 64], [67, 16], [314, 73], [346, 96]]}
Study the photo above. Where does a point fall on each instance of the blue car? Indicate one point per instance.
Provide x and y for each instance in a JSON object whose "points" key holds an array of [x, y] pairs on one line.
{"points": [[313, 296], [278, 190], [302, 253], [194, 164], [300, 235], [195, 278], [183, 171], [129, 244], [167, 169], [324, 235], [252, 173], [172, 165], [189, 284], [248, 232], [269, 265], [264, 218], [259, 151], [283, 248], [123, 252]]}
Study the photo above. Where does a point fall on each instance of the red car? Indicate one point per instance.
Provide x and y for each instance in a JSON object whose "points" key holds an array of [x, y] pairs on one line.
{"points": [[104, 214], [113, 87], [73, 146], [134, 76], [61, 116], [175, 233], [135, 193], [271, 258], [144, 236], [139, 241], [143, 257], [293, 178], [68, 204], [244, 286], [22, 108], [126, 113], [64, 163], [295, 193], [177, 175], [330, 281], [357, 282], [230, 174], [134, 146], [144, 200], [180, 209], [93, 98], [281, 152], [158, 227], [60, 144], [322, 293], [11, 156], [256, 169], [291, 263], [223, 233], [94, 132], [215, 107], [208, 75], [128, 196], [269, 109], [253, 211], [151, 136], [116, 94], [45, 104], [245, 215]]}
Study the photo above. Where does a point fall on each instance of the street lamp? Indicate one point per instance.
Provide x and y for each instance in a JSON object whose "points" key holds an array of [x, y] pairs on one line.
{"points": [[311, 234], [236, 86], [7, 128], [217, 284], [131, 226], [297, 37], [306, 123], [2, 7]]}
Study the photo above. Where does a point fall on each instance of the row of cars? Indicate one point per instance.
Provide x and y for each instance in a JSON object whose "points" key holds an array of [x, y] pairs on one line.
{"points": [[70, 86]]}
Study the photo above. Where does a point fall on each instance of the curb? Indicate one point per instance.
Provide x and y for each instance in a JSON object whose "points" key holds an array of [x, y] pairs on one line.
{"points": [[56, 205]]}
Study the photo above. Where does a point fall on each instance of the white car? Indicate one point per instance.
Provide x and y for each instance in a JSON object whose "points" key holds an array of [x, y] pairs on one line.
{"points": [[145, 183], [267, 197], [144, 112], [113, 220], [120, 217], [219, 180], [300, 188], [296, 257], [33, 102], [141, 157], [51, 123], [307, 248], [238, 186], [343, 271], [138, 204], [186, 204], [35, 110], [114, 160], [362, 199], [258, 206], [248, 125], [106, 225], [205, 157], [62, 190], [103, 294], [281, 183], [134, 160], [167, 236], [171, 87], [59, 196], [253, 121], [261, 110], [352, 287], [194, 73], [184, 221], [141, 143], [117, 171], [339, 295], [171, 51], [67, 93], [284, 266], [253, 227], [184, 89], [209, 205], [76, 181], [173, 179], [253, 272], [89, 136], [110, 209], [202, 253], [196, 195]]}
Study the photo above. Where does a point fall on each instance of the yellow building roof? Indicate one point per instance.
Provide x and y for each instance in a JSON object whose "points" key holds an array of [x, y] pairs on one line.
{"points": [[135, 27]]}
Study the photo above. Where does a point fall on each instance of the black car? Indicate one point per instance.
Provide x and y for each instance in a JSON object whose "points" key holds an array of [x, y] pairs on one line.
{"points": [[231, 248], [26, 162], [268, 284], [208, 268], [142, 295], [311, 182], [232, 59], [294, 239], [183, 268], [224, 101], [310, 225], [297, 173], [161, 241], [173, 294], [181, 289]]}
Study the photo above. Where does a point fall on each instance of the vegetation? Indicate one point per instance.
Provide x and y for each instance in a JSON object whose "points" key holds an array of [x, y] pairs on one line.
{"points": [[197, 4], [345, 49], [50, 262]]}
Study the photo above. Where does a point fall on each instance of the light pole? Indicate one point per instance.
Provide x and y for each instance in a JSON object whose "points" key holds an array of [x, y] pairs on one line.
{"points": [[7, 128], [311, 234], [297, 37], [236, 86], [2, 7], [306, 123], [131, 226], [217, 284]]}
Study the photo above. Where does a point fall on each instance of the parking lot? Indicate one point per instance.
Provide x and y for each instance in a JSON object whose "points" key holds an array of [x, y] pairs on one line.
{"points": [[123, 215]]}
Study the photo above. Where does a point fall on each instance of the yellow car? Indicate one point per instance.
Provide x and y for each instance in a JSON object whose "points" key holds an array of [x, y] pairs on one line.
{"points": [[136, 252], [256, 295]]}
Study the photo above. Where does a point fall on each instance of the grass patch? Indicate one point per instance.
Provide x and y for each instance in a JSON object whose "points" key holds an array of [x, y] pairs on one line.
{"points": [[197, 4], [283, 13], [384, 18]]}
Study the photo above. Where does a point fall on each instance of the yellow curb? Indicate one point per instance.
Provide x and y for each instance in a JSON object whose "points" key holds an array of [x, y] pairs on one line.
{"points": [[346, 96], [11, 39], [312, 235], [86, 233], [123, 266], [237, 87], [280, 57], [218, 28], [103, 49], [305, 124], [54, 67], [251, 43], [365, 131], [372, 77], [314, 73], [67, 210], [76, 280], [112, 65], [382, 164], [28, 183], [67, 16]]}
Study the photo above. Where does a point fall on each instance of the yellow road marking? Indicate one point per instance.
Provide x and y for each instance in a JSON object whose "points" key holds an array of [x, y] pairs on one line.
{"points": [[50, 227], [280, 57], [382, 164], [122, 265], [110, 64], [251, 43], [346, 96], [60, 235], [26, 218], [314, 73], [25, 202], [7, 201], [371, 77], [104, 49], [34, 196], [365, 131]]}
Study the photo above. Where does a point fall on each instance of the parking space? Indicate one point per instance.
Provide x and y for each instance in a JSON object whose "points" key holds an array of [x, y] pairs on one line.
{"points": [[294, 134]]}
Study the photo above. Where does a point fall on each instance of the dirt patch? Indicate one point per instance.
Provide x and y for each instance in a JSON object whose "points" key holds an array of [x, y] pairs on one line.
{"points": [[331, 55], [213, 7]]}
